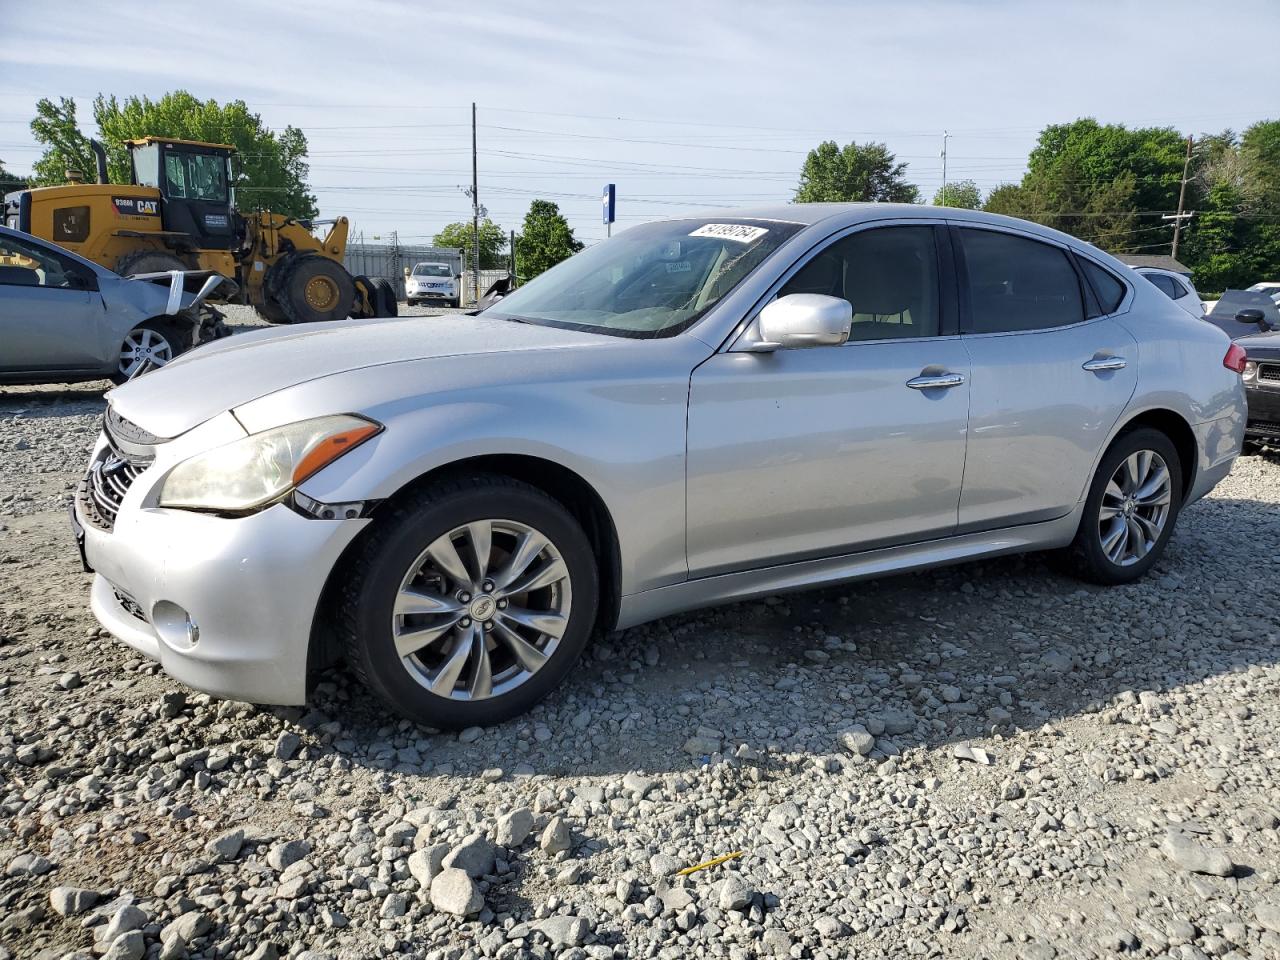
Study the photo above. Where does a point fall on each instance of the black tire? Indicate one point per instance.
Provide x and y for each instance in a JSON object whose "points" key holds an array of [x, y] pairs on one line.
{"points": [[337, 290], [390, 550], [272, 312], [1086, 557], [455, 304], [176, 338], [387, 304], [148, 261]]}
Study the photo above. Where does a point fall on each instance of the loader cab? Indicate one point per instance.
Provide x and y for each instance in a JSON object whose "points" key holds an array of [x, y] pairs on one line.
{"points": [[194, 180]]}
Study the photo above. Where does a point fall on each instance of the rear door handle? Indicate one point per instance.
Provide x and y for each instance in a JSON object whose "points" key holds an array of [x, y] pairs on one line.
{"points": [[1099, 364], [943, 381]]}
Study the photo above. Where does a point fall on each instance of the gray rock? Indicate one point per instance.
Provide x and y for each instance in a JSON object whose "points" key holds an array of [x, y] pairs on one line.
{"points": [[734, 893], [71, 901], [555, 837], [424, 864], [470, 735], [188, 927], [1191, 856], [265, 951], [452, 891], [777, 942], [28, 864], [514, 828], [638, 784], [474, 855], [130, 945], [127, 918], [226, 846], [1268, 916], [828, 927], [664, 865], [856, 740], [701, 746], [565, 931], [287, 745], [286, 853]]}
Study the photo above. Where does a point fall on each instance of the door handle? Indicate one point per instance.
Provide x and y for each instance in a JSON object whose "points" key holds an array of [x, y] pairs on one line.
{"points": [[1099, 364], [938, 381]]}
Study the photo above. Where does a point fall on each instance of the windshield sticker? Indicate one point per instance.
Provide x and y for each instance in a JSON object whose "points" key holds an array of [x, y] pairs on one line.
{"points": [[738, 232], [680, 266]]}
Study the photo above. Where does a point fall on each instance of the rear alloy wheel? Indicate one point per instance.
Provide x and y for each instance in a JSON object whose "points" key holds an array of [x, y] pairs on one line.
{"points": [[470, 603], [149, 346], [1131, 509]]}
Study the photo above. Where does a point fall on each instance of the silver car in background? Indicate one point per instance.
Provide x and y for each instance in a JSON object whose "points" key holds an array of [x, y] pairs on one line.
{"points": [[697, 411], [64, 318]]}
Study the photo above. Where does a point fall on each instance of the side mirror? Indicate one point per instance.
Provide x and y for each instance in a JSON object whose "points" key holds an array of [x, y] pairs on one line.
{"points": [[1255, 316], [804, 320]]}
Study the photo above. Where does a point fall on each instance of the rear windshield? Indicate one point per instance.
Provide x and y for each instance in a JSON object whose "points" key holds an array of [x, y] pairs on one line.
{"points": [[650, 281]]}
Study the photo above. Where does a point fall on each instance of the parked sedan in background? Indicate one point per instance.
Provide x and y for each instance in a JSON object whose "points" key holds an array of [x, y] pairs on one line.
{"points": [[697, 411], [1176, 287], [1252, 318], [64, 318]]}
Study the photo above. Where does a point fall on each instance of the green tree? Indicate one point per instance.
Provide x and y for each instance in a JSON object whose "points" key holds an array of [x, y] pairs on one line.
{"points": [[493, 241], [545, 239], [963, 194], [9, 181], [858, 171], [270, 169]]}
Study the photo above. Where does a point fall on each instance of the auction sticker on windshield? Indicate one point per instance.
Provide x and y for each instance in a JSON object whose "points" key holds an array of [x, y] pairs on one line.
{"points": [[739, 232]]}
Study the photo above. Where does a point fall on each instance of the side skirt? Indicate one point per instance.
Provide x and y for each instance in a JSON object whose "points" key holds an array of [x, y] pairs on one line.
{"points": [[807, 574]]}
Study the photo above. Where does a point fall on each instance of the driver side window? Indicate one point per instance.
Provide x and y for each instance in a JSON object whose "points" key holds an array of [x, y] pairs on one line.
{"points": [[888, 274], [28, 265]]}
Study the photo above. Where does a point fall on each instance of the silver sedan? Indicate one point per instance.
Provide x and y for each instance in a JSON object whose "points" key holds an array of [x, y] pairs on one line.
{"points": [[696, 411]]}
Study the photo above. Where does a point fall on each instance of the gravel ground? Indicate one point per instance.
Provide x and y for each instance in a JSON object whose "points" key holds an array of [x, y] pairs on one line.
{"points": [[988, 760]]}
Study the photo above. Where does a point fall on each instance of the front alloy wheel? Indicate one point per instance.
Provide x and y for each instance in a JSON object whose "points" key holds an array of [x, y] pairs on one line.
{"points": [[482, 609], [468, 601]]}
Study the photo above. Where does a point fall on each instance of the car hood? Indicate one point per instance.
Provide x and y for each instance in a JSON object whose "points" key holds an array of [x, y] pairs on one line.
{"points": [[220, 376], [1261, 346]]}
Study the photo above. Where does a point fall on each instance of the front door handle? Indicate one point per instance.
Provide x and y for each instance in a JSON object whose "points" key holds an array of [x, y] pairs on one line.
{"points": [[1099, 364], [943, 381]]}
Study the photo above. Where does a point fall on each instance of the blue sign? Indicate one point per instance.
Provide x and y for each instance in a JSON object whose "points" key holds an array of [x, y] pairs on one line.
{"points": [[609, 201]]}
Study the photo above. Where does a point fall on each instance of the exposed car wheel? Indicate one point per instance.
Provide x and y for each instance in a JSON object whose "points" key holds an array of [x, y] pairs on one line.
{"points": [[150, 345], [314, 288], [1131, 509], [469, 602], [148, 261], [213, 326]]}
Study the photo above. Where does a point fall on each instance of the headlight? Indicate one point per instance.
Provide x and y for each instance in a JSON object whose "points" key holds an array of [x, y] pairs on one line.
{"points": [[1250, 370], [260, 469]]}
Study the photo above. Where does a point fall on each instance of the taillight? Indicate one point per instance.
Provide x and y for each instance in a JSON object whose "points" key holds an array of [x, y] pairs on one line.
{"points": [[1235, 358]]}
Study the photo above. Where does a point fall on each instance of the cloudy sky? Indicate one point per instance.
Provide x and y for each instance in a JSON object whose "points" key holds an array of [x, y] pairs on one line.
{"points": [[684, 104]]}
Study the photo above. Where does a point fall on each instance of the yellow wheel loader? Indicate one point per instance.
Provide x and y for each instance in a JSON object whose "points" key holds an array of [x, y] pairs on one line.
{"points": [[178, 213]]}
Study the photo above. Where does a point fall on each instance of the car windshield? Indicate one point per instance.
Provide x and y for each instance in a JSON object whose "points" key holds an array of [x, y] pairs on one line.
{"points": [[650, 281], [431, 270]]}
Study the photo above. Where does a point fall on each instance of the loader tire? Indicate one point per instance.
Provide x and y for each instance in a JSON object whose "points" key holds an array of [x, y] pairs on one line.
{"points": [[148, 261], [387, 305], [272, 312], [314, 288]]}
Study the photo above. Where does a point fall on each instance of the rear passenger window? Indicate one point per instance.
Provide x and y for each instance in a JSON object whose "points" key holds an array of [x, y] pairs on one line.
{"points": [[1018, 284], [1167, 286], [1106, 287], [888, 274]]}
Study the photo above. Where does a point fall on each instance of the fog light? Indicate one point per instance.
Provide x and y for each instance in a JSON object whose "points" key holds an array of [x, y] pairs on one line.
{"points": [[176, 627]]}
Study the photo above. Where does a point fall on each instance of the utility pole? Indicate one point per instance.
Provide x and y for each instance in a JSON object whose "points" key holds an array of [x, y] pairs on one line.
{"points": [[512, 248], [1182, 196], [475, 212], [945, 137]]}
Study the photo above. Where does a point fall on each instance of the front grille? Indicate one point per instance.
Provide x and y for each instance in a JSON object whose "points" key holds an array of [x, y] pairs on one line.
{"points": [[1269, 372], [110, 475], [1269, 428]]}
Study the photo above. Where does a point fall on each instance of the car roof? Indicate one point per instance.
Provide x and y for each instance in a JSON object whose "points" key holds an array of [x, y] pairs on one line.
{"points": [[846, 214]]}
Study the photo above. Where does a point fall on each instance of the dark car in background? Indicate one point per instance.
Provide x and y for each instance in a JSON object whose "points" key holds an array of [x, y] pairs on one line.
{"points": [[1252, 319]]}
